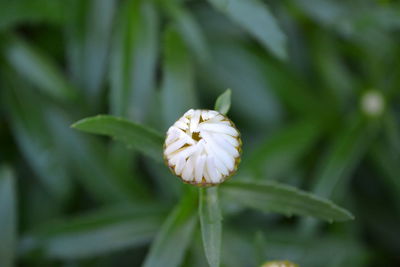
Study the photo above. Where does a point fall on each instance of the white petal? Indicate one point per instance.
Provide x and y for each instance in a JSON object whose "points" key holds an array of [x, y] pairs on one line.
{"points": [[212, 170], [184, 153], [218, 128], [194, 121], [172, 135], [225, 145], [206, 175], [188, 113], [233, 141], [187, 173], [174, 146], [181, 125], [227, 159], [221, 166], [199, 168], [179, 166]]}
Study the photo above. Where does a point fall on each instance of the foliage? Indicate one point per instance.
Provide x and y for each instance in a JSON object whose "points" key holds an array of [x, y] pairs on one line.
{"points": [[299, 73]]}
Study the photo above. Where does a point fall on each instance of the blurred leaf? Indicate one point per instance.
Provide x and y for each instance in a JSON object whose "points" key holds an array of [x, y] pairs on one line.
{"points": [[189, 29], [33, 136], [88, 35], [174, 237], [283, 149], [255, 17], [211, 224], [388, 165], [39, 69], [283, 199], [8, 217], [87, 158], [235, 66], [134, 135], [345, 152], [223, 102], [15, 13], [177, 89], [96, 233], [133, 60]]}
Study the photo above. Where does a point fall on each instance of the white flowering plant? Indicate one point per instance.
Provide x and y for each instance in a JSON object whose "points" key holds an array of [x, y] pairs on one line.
{"points": [[203, 148]]}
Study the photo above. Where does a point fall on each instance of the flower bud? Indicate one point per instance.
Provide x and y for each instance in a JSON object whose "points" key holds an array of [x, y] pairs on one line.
{"points": [[279, 264], [203, 147]]}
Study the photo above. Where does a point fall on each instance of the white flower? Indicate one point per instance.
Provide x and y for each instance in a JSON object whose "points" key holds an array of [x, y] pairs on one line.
{"points": [[372, 103], [203, 147]]}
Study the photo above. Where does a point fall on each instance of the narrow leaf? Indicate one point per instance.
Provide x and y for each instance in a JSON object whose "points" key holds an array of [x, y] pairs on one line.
{"points": [[211, 224], [223, 102], [133, 60], [88, 40], [255, 17], [33, 137], [274, 197], [8, 217], [174, 237], [39, 69], [188, 28], [283, 149], [177, 90], [96, 233], [134, 135]]}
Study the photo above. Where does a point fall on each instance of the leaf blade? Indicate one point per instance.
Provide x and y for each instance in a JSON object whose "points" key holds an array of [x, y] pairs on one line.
{"points": [[97, 232], [211, 224], [135, 135], [284, 199], [255, 17], [174, 237], [223, 102], [8, 217]]}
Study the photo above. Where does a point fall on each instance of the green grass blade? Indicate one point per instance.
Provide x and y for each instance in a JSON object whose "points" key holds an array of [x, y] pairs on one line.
{"points": [[274, 197], [97, 232], [282, 150], [8, 217], [38, 69], [211, 224], [134, 135], [223, 103], [134, 59], [88, 31], [189, 29], [254, 16], [174, 237], [177, 88]]}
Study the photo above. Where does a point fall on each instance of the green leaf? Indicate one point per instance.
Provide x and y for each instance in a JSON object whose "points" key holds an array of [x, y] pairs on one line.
{"points": [[177, 89], [134, 135], [8, 217], [211, 224], [223, 102], [255, 17], [344, 154], [33, 137], [283, 149], [188, 28], [15, 13], [174, 237], [274, 197], [97, 232], [88, 32], [134, 59], [39, 69]]}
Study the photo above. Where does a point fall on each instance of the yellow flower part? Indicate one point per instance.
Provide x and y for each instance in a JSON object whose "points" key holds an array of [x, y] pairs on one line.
{"points": [[279, 264]]}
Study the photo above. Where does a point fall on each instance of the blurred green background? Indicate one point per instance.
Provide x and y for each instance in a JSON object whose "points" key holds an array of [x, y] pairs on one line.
{"points": [[316, 87]]}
